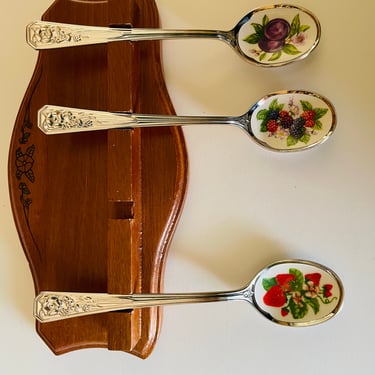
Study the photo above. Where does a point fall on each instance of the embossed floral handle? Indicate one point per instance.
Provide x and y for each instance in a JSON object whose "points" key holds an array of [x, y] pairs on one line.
{"points": [[52, 306]]}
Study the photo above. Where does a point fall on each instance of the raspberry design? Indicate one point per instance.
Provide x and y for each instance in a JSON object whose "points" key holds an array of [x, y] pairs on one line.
{"points": [[295, 122], [272, 126]]}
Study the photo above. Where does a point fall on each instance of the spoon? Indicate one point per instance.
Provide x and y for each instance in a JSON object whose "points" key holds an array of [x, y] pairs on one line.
{"points": [[281, 121], [273, 35], [288, 292]]}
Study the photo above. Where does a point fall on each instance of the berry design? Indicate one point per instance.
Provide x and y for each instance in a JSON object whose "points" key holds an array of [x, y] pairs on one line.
{"points": [[277, 36], [295, 293], [290, 121]]}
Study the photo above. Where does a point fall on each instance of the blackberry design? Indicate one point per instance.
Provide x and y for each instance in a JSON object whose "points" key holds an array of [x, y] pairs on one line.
{"points": [[294, 122]]}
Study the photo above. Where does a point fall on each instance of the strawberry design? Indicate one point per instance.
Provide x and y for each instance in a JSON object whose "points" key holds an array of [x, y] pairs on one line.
{"points": [[285, 280], [275, 297], [327, 290], [284, 311], [314, 277]]}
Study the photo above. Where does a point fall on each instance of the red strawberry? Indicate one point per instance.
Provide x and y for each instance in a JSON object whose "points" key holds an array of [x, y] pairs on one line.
{"points": [[275, 297], [272, 126], [284, 280], [314, 277], [327, 290], [284, 311]]}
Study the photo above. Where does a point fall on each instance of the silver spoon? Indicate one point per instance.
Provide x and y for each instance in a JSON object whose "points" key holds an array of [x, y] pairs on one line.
{"points": [[274, 35], [281, 121], [288, 292]]}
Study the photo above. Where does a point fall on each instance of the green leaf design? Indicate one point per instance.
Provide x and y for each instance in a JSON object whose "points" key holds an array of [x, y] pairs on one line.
{"points": [[274, 105], [269, 283], [295, 26], [304, 28], [262, 56], [318, 125], [319, 113], [262, 114], [252, 38], [259, 29], [263, 126], [306, 106], [314, 303], [291, 49], [265, 20], [298, 311], [291, 141], [305, 138], [275, 56], [297, 283]]}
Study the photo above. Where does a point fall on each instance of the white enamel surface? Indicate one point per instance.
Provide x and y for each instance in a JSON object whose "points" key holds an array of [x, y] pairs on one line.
{"points": [[246, 206], [291, 103], [327, 305], [310, 36]]}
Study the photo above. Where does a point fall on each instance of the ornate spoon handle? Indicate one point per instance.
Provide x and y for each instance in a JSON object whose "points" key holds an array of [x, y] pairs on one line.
{"points": [[48, 35], [58, 120], [52, 306]]}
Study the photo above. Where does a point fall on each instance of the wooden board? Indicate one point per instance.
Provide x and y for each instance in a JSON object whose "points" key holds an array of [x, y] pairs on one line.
{"points": [[96, 211]]}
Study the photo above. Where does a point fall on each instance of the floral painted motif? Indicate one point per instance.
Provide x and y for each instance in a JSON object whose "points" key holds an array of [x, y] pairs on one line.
{"points": [[277, 37], [296, 122], [294, 293]]}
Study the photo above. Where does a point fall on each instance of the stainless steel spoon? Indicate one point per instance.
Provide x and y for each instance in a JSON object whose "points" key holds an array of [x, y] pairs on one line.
{"points": [[274, 35], [281, 121], [288, 292]]}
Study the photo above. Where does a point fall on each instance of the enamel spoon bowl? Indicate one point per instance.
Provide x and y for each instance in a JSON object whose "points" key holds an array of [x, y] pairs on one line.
{"points": [[289, 292], [273, 35], [281, 121]]}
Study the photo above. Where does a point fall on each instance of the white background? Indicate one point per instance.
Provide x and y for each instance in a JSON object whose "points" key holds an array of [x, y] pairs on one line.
{"points": [[245, 206]]}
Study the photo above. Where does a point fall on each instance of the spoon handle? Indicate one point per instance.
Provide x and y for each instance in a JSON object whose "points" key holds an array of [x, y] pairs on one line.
{"points": [[49, 35], [58, 120], [52, 306]]}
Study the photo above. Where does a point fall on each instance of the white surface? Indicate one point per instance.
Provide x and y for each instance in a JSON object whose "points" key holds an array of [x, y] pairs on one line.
{"points": [[245, 206]]}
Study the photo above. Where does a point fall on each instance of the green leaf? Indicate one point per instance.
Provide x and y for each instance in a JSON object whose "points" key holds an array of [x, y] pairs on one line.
{"points": [[263, 126], [303, 28], [262, 56], [306, 106], [265, 20], [262, 114], [298, 311], [314, 303], [318, 125], [252, 38], [297, 283], [305, 138], [275, 56], [319, 113], [274, 105], [259, 29], [295, 26], [269, 283], [291, 141], [291, 49]]}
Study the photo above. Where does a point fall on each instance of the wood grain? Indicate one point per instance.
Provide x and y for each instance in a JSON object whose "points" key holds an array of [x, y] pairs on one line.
{"points": [[96, 211]]}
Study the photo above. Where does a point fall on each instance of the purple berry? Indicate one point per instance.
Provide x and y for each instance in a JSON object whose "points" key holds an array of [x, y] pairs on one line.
{"points": [[277, 29], [267, 45]]}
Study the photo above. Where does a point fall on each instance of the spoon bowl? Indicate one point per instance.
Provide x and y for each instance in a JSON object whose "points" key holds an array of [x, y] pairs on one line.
{"points": [[282, 121], [268, 36], [290, 292]]}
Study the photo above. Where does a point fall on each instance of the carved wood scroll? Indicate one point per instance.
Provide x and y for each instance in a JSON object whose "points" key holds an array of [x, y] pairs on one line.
{"points": [[96, 211]]}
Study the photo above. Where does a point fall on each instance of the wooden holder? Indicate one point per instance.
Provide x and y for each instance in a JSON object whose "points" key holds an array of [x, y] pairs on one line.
{"points": [[96, 211]]}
